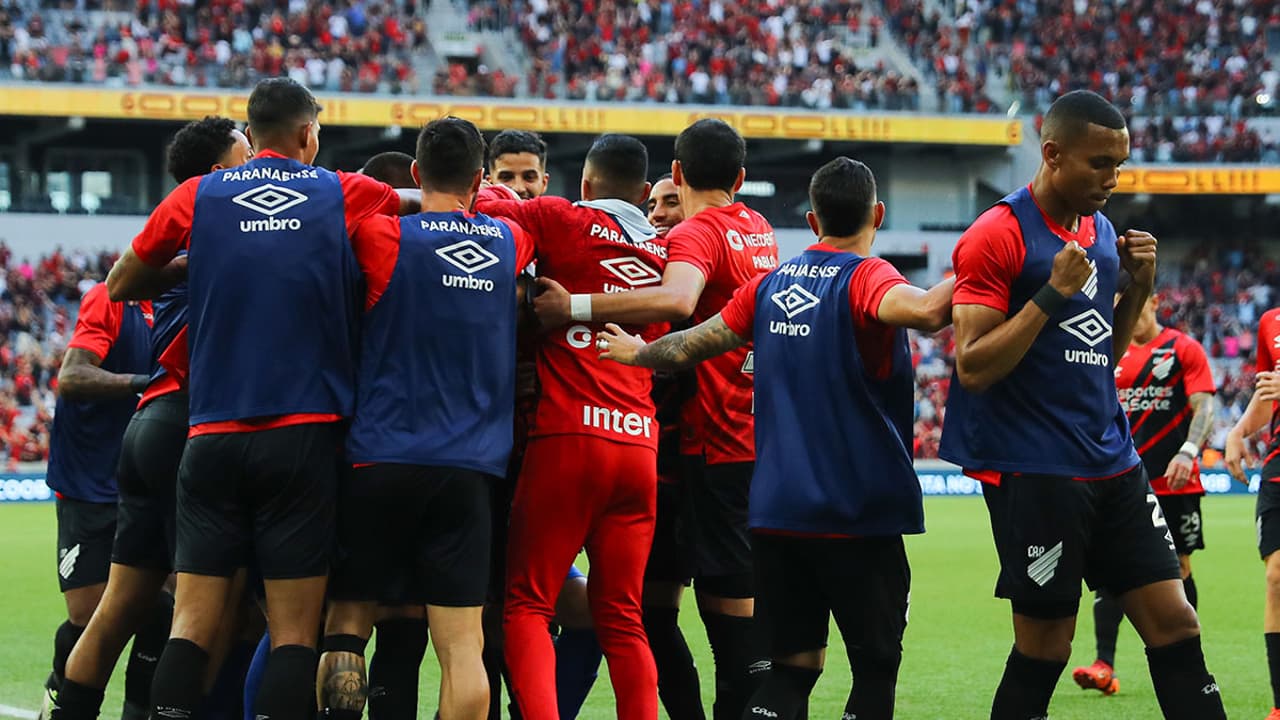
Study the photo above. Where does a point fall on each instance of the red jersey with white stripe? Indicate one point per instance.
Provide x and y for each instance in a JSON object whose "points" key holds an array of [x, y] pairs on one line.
{"points": [[1156, 381], [600, 246], [730, 246], [1269, 361]]}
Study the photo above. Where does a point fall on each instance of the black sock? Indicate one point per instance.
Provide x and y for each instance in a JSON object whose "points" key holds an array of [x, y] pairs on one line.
{"points": [[148, 643], [393, 671], [1026, 688], [225, 700], [1107, 615], [77, 702], [875, 685], [1193, 596], [1273, 664], [783, 694], [492, 657], [739, 669], [64, 641], [178, 683], [288, 685], [1183, 685], [677, 675]]}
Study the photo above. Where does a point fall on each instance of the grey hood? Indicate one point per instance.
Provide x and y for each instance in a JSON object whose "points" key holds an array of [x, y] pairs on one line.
{"points": [[629, 217]]}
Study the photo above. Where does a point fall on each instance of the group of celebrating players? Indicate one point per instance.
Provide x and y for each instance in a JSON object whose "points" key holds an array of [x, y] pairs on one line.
{"points": [[407, 398]]}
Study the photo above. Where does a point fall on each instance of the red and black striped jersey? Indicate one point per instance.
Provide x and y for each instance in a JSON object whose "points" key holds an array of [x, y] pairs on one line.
{"points": [[1156, 381], [1269, 361]]}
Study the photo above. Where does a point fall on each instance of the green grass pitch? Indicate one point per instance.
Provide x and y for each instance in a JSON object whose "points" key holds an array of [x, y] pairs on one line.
{"points": [[956, 642]]}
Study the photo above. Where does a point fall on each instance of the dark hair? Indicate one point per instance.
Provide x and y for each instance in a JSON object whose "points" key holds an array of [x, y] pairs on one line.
{"points": [[198, 146], [711, 155], [390, 167], [620, 163], [842, 194], [450, 151], [509, 142], [279, 105], [1070, 116]]}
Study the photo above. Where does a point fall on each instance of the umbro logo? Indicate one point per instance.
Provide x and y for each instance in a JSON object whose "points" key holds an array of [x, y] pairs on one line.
{"points": [[1089, 327], [269, 199], [1090, 288], [632, 271], [468, 256], [794, 300]]}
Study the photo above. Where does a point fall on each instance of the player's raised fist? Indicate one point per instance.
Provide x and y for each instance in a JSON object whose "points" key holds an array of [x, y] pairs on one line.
{"points": [[1071, 269], [1138, 255]]}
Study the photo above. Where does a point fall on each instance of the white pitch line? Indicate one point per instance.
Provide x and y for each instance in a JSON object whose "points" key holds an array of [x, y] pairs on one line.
{"points": [[17, 712]]}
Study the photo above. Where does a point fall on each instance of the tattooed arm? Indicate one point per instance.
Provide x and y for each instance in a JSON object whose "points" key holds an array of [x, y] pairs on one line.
{"points": [[1179, 471], [670, 352]]}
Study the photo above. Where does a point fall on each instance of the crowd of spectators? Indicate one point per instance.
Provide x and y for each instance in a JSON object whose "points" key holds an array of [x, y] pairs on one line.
{"points": [[1194, 67], [38, 305], [746, 52], [347, 45]]}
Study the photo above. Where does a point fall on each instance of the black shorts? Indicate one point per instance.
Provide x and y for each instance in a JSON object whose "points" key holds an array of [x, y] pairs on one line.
{"points": [[264, 498], [864, 582], [148, 477], [500, 496], [669, 559], [1051, 532], [1182, 512], [1268, 512], [716, 518], [85, 532], [411, 534]]}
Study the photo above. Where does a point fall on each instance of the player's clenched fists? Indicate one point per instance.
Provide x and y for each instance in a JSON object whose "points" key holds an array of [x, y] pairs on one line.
{"points": [[1071, 269], [1138, 256]]}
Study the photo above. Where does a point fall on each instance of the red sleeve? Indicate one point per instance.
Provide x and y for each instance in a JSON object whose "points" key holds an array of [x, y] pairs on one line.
{"points": [[168, 230], [739, 314], [696, 244], [524, 245], [376, 243], [98, 324], [870, 281], [533, 216], [1195, 367], [1266, 333], [987, 259], [362, 196]]}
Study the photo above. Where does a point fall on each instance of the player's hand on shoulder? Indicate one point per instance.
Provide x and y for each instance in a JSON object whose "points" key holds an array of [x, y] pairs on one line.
{"points": [[551, 303], [616, 344], [1138, 255], [1071, 269]]}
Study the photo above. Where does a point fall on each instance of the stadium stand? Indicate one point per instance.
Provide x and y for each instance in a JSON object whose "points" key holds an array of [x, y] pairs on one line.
{"points": [[341, 47]]}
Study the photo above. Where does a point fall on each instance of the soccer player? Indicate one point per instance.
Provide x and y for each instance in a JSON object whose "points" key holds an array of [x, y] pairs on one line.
{"points": [[1166, 389], [273, 277], [668, 570], [433, 425], [1034, 415], [401, 629], [105, 366], [1263, 411], [589, 472], [834, 489], [519, 161], [663, 205], [720, 246], [142, 557]]}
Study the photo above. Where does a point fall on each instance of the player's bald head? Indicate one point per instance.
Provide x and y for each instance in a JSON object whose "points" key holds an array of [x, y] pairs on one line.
{"points": [[1070, 116]]}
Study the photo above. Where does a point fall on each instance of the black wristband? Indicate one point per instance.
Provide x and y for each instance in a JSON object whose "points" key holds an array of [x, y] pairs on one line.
{"points": [[139, 383], [1049, 300]]}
